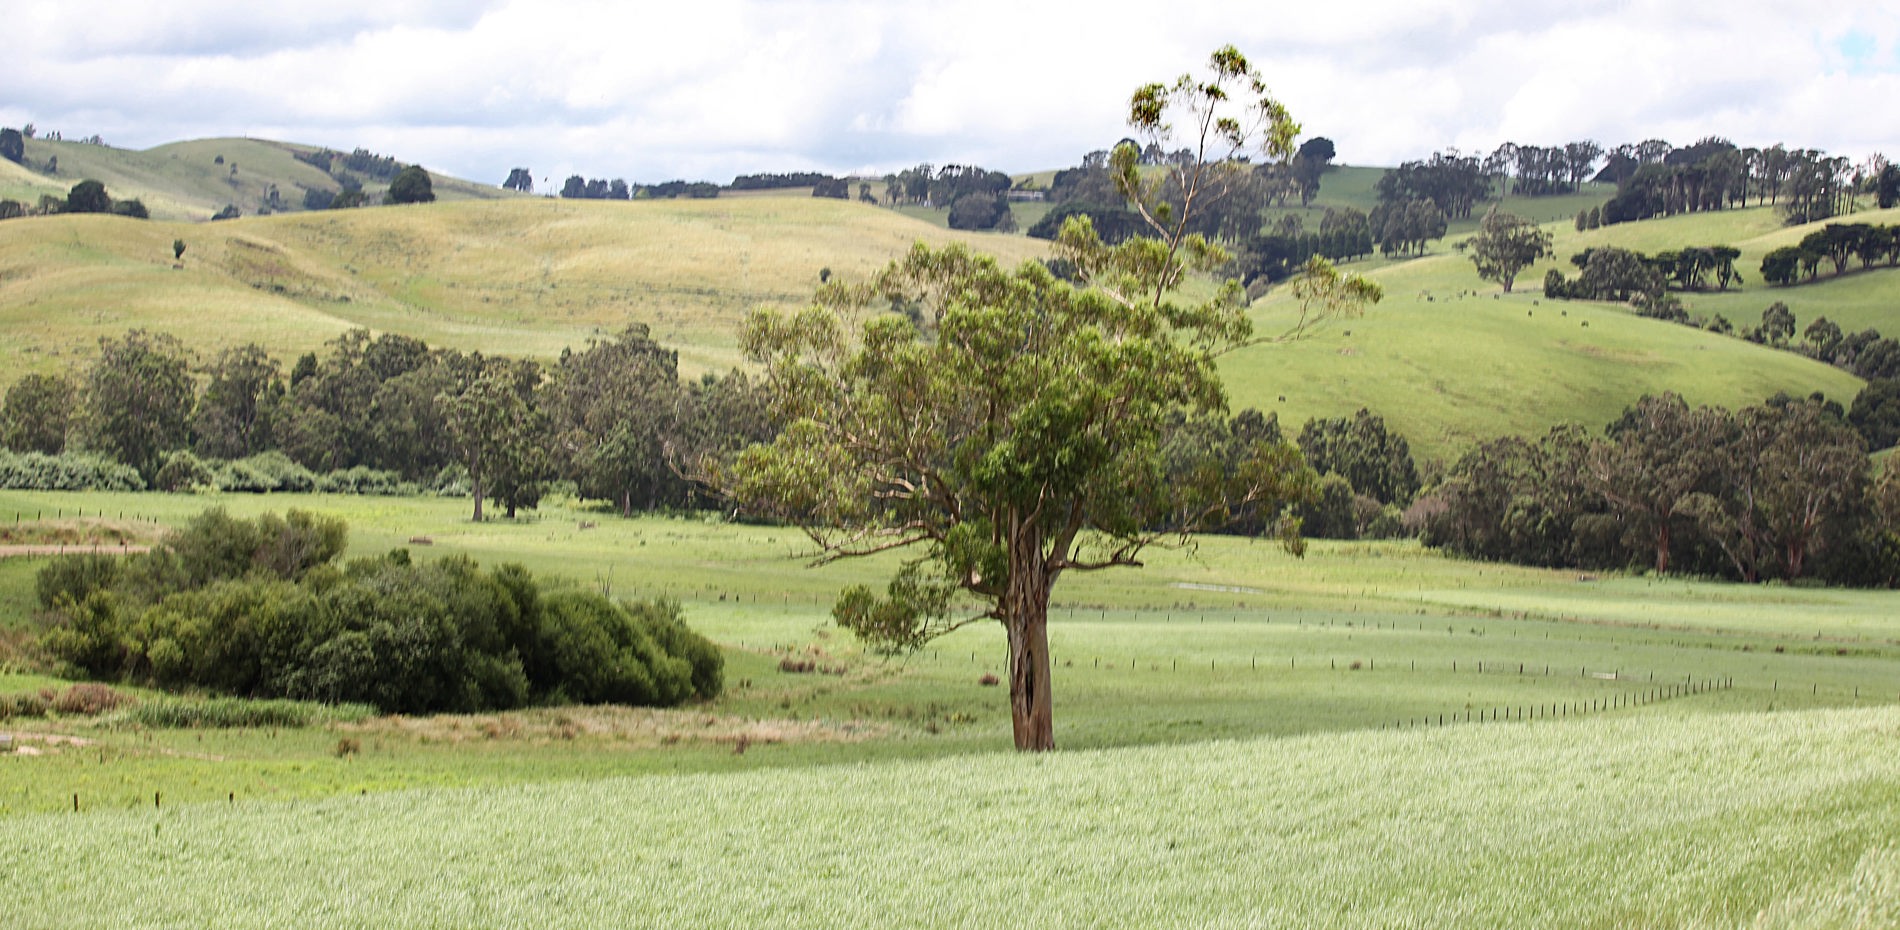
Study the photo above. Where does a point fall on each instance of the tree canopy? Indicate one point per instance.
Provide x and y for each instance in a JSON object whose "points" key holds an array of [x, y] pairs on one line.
{"points": [[1505, 245], [1013, 428], [412, 185]]}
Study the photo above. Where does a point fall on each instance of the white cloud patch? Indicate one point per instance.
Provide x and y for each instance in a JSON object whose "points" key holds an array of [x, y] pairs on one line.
{"points": [[717, 87]]}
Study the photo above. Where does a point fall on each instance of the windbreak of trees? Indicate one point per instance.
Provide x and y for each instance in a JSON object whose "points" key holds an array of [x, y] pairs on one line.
{"points": [[1451, 182], [374, 412], [261, 608], [1538, 171], [87, 196], [1777, 491], [1654, 178], [764, 182], [579, 188], [1836, 244]]}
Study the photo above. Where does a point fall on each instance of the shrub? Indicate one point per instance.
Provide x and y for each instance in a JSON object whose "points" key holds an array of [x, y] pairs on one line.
{"points": [[75, 577], [69, 471], [183, 471], [89, 699]]}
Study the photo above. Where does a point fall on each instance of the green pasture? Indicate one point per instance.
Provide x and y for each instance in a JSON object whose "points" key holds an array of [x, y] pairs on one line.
{"points": [[1766, 820], [1234, 639], [1449, 359]]}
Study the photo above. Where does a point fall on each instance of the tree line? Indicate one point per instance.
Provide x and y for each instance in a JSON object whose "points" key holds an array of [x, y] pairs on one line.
{"points": [[87, 196], [264, 608], [613, 419], [1837, 244], [1782, 490]]}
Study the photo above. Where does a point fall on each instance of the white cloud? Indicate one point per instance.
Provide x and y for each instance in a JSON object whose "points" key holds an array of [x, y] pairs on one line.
{"points": [[717, 87]]}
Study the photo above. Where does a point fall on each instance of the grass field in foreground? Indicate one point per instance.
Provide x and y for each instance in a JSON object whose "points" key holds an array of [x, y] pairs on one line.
{"points": [[1766, 820], [1235, 640]]}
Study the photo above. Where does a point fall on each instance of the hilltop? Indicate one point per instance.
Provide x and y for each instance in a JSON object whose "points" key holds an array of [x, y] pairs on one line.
{"points": [[196, 179]]}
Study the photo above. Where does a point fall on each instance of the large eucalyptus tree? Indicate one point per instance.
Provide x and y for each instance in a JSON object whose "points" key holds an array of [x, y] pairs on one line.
{"points": [[1009, 427]]}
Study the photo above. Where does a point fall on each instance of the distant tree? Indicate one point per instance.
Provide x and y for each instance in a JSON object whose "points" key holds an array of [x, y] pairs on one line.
{"points": [[617, 190], [981, 211], [610, 409], [1781, 265], [134, 208], [519, 179], [11, 209], [1875, 413], [493, 430], [138, 399], [575, 188], [864, 193], [836, 188], [1309, 164], [88, 196], [348, 198], [1653, 457], [178, 250], [1777, 324], [1377, 462], [38, 414], [411, 185], [12, 146], [1505, 245], [1887, 187], [234, 417]]}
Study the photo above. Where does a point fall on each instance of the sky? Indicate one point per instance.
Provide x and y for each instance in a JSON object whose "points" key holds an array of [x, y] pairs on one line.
{"points": [[707, 89]]}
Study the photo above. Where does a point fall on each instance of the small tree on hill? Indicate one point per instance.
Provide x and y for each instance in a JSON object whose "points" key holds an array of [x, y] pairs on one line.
{"points": [[12, 146], [411, 185], [1505, 245], [88, 196], [1015, 430]]}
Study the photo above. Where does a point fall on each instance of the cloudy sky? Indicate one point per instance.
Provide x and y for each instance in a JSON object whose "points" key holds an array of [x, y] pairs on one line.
{"points": [[707, 89]]}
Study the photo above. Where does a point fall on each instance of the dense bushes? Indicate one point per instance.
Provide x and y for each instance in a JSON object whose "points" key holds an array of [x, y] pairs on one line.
{"points": [[261, 608], [71, 471]]}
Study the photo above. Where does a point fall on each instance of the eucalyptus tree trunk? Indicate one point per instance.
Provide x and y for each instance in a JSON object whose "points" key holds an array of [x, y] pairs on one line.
{"points": [[1026, 617]]}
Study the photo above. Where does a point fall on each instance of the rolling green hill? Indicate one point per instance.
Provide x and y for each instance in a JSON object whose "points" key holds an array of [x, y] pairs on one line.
{"points": [[1449, 359], [1446, 358], [194, 180], [522, 276]]}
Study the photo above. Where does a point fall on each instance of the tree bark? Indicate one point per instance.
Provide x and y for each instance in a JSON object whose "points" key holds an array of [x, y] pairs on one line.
{"points": [[1026, 616]]}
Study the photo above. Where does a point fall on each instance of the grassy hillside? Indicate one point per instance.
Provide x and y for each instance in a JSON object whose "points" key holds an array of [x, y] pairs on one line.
{"points": [[1449, 359], [1445, 358], [193, 180], [523, 276]]}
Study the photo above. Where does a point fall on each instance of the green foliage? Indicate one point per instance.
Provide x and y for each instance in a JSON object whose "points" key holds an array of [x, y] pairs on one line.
{"points": [[1764, 492], [1375, 461], [138, 399], [1505, 245], [1016, 430], [183, 471], [38, 413], [88, 196], [68, 471], [1876, 413], [411, 185], [982, 211], [259, 607], [12, 145]]}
